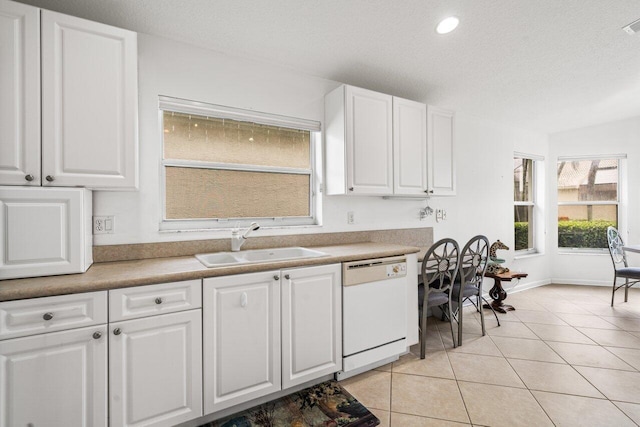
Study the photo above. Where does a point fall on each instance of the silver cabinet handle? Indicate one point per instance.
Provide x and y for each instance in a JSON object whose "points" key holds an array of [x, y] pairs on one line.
{"points": [[276, 277], [29, 177], [50, 178], [97, 335], [158, 300], [117, 331], [286, 276], [48, 316], [350, 188]]}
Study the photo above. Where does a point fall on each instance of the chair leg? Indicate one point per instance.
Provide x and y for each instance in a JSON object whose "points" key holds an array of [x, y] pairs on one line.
{"points": [[613, 292], [423, 333], [626, 290], [479, 308], [492, 310], [453, 338], [460, 324]]}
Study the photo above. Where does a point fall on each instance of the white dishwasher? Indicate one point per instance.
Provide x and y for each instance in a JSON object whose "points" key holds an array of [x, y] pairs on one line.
{"points": [[374, 313]]}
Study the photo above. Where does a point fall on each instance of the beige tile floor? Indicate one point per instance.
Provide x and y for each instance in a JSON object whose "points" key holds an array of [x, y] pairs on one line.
{"points": [[563, 358]]}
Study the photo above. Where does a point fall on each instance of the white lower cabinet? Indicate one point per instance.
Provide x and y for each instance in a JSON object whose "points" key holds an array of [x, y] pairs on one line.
{"points": [[155, 370], [53, 361], [57, 379], [241, 317], [245, 317], [311, 323]]}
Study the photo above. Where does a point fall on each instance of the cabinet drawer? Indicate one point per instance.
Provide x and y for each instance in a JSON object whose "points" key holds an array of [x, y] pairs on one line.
{"points": [[39, 315], [143, 301]]}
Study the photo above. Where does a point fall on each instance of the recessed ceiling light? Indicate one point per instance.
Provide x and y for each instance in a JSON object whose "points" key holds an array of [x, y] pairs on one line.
{"points": [[447, 25]]}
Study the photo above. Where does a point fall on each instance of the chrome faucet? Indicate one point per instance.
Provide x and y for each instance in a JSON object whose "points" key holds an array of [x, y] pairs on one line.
{"points": [[237, 239]]}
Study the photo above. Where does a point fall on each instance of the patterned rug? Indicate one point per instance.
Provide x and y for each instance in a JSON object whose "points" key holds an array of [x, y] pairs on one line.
{"points": [[326, 404]]}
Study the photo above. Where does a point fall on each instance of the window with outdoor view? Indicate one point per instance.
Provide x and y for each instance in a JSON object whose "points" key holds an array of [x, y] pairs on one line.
{"points": [[524, 203], [587, 201], [224, 166]]}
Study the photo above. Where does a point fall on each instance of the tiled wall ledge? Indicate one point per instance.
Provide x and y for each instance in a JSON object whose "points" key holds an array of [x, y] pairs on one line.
{"points": [[421, 237]]}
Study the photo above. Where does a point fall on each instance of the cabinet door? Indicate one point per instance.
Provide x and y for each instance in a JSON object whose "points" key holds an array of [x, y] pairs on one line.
{"points": [[442, 170], [57, 379], [241, 338], [44, 231], [311, 323], [409, 147], [369, 142], [89, 103], [155, 370], [20, 94]]}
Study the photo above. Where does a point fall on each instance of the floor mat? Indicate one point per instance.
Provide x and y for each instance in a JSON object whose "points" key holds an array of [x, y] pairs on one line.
{"points": [[326, 404]]}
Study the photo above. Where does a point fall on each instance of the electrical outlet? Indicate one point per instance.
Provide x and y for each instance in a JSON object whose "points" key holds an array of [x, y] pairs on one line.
{"points": [[103, 224], [350, 218]]}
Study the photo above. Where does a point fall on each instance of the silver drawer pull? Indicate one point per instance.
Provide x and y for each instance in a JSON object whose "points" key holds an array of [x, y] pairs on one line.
{"points": [[276, 277], [48, 316], [158, 300], [97, 335], [286, 276], [29, 177], [117, 331]]}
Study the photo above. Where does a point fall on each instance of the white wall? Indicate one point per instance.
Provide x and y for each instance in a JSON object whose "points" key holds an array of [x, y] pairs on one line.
{"points": [[484, 153], [620, 137]]}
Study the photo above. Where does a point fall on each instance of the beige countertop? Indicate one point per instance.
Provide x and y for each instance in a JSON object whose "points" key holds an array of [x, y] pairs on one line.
{"points": [[122, 274]]}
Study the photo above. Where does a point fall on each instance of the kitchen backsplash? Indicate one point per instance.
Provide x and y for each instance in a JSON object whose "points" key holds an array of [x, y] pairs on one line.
{"points": [[421, 237]]}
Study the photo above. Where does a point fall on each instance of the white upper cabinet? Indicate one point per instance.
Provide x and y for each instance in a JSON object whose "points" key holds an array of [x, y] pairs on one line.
{"points": [[440, 143], [44, 231], [359, 142], [86, 98], [19, 94], [89, 103], [409, 147], [376, 144]]}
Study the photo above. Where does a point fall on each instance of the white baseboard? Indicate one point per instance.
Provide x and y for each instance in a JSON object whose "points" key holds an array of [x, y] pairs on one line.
{"points": [[581, 282]]}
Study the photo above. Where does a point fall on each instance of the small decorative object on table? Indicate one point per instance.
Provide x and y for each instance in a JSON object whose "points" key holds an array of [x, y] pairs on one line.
{"points": [[494, 262]]}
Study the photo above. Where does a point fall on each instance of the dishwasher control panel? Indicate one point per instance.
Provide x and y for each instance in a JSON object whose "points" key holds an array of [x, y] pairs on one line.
{"points": [[372, 270], [397, 270]]}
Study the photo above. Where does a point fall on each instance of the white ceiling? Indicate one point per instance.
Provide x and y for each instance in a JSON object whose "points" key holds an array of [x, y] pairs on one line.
{"points": [[544, 65]]}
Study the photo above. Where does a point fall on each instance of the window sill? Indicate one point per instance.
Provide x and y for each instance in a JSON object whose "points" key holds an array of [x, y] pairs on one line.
{"points": [[230, 227], [528, 255], [583, 252]]}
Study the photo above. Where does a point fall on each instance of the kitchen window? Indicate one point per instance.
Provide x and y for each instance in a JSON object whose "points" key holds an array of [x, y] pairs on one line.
{"points": [[588, 197], [526, 211], [224, 166]]}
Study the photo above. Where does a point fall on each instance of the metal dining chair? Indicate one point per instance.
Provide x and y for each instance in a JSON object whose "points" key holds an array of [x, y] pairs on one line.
{"points": [[620, 267], [472, 266], [439, 269]]}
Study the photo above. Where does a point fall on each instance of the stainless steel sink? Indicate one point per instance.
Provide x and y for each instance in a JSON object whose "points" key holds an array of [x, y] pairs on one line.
{"points": [[225, 259]]}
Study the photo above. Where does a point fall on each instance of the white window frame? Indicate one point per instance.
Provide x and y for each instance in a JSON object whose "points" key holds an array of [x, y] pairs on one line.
{"points": [[184, 106], [536, 217], [617, 202]]}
